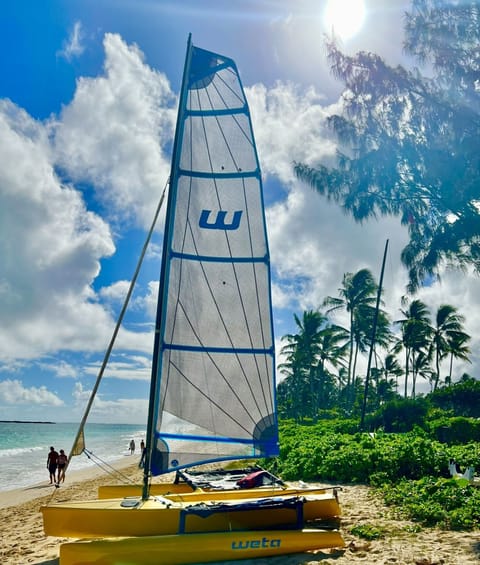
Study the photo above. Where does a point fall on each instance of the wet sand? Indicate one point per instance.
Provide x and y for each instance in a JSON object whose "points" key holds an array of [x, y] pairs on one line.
{"points": [[23, 540]]}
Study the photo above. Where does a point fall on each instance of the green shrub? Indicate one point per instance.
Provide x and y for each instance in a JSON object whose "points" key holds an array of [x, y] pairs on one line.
{"points": [[367, 532], [455, 430], [448, 503]]}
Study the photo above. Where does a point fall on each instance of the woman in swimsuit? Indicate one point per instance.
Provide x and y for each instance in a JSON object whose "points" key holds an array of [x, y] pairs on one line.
{"points": [[61, 465]]}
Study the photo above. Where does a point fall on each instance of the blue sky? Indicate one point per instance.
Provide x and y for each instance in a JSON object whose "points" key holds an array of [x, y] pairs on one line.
{"points": [[87, 110]]}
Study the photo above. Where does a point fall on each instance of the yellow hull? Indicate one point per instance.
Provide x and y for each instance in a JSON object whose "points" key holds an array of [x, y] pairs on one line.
{"points": [[161, 516], [158, 489], [172, 489], [195, 548]]}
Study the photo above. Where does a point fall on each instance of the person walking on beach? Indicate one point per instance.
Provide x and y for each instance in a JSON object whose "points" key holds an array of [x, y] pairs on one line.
{"points": [[61, 465], [132, 447], [52, 461], [143, 451]]}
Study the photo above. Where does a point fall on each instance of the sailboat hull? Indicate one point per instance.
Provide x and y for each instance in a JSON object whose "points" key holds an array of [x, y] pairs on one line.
{"points": [[162, 516], [196, 548], [183, 491]]}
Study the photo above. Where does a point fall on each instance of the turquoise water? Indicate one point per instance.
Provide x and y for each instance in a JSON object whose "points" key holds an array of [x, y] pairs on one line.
{"points": [[24, 448]]}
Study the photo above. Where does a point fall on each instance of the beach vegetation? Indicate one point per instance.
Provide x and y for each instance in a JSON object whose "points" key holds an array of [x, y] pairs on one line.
{"points": [[367, 531], [410, 469]]}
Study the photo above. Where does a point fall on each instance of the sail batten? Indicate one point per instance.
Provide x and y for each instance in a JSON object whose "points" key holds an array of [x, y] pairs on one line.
{"points": [[220, 175], [217, 259], [214, 351]]}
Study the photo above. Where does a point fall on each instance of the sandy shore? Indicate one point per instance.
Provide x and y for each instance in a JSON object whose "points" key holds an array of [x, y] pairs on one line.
{"points": [[23, 540]]}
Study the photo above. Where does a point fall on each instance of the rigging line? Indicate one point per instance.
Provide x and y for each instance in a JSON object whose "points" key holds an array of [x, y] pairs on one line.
{"points": [[117, 328], [105, 466]]}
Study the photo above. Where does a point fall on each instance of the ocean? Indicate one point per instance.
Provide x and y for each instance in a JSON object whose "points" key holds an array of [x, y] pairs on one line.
{"points": [[24, 448]]}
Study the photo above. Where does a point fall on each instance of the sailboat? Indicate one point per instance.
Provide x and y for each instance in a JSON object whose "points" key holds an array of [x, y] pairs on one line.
{"points": [[212, 394]]}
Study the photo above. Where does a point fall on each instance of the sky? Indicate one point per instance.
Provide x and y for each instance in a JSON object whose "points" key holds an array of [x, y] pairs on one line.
{"points": [[88, 96]]}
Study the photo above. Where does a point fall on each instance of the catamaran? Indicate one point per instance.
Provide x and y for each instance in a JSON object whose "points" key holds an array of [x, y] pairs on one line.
{"points": [[212, 395]]}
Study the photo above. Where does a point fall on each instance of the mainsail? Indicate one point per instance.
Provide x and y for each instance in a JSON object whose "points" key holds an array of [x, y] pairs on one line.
{"points": [[212, 392]]}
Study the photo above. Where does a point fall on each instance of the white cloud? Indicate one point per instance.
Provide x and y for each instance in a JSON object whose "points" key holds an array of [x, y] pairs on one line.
{"points": [[60, 368], [13, 392], [73, 47], [148, 302], [127, 367], [289, 126], [115, 133], [50, 246], [115, 292], [119, 410]]}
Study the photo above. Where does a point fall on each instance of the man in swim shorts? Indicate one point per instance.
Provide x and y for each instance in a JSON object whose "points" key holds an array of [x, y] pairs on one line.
{"points": [[52, 461]]}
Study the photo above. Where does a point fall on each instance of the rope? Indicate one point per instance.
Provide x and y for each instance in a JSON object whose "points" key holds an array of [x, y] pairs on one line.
{"points": [[107, 467]]}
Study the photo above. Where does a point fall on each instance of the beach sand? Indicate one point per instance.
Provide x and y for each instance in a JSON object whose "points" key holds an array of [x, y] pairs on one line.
{"points": [[23, 540]]}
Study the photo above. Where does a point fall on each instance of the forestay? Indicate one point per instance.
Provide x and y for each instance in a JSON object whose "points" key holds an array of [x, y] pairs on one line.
{"points": [[213, 367]]}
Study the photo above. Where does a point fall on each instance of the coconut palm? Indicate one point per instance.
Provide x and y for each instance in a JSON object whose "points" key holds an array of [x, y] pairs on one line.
{"points": [[391, 367], [448, 331], [358, 292], [302, 352], [458, 349], [416, 333]]}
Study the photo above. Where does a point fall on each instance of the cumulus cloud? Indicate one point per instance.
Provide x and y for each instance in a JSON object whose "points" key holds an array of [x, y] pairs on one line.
{"points": [[127, 367], [50, 245], [119, 410], [116, 133], [13, 392], [115, 292], [289, 125], [113, 135]]}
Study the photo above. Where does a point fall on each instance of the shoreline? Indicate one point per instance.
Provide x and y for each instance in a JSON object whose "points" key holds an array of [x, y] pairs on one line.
{"points": [[30, 492], [401, 543]]}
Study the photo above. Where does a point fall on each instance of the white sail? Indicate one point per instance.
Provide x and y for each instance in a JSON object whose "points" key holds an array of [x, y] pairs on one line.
{"points": [[213, 394]]}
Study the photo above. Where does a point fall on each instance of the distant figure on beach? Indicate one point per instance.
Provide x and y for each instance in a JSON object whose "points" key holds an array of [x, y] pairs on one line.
{"points": [[61, 465], [143, 451], [52, 462], [132, 447]]}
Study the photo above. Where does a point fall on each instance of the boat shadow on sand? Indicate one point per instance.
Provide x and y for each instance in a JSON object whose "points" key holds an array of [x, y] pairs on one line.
{"points": [[293, 559]]}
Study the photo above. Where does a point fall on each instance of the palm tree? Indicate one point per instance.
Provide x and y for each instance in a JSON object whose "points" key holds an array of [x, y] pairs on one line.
{"points": [[416, 332], [302, 352], [358, 292], [448, 330], [391, 367], [458, 349], [332, 353], [421, 367], [333, 346], [385, 390]]}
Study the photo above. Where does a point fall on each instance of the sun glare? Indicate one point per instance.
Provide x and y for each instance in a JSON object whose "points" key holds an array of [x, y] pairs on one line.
{"points": [[344, 17]]}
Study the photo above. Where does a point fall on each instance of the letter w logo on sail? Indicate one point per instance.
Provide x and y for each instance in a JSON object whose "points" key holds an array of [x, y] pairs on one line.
{"points": [[219, 223]]}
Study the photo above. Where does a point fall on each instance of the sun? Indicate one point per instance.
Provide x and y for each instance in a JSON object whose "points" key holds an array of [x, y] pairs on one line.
{"points": [[344, 17]]}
